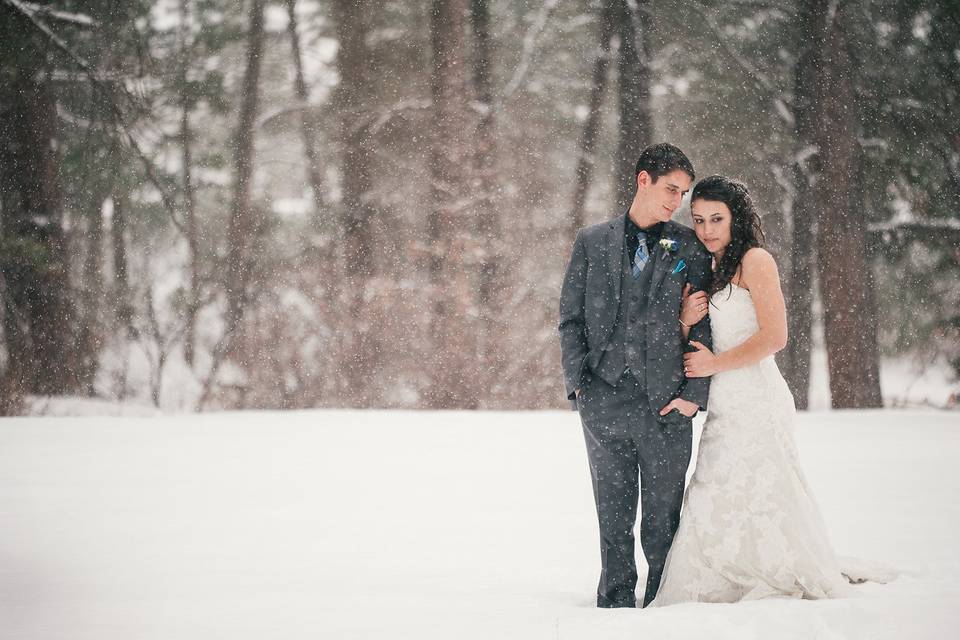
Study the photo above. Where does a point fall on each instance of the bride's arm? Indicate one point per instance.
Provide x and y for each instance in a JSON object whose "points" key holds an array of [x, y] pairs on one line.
{"points": [[758, 274], [693, 308]]}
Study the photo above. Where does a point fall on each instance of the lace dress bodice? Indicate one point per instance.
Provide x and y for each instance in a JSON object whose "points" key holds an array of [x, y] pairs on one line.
{"points": [[757, 387], [733, 318]]}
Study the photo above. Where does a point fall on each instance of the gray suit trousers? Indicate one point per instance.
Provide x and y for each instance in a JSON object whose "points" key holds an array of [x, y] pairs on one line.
{"points": [[633, 453]]}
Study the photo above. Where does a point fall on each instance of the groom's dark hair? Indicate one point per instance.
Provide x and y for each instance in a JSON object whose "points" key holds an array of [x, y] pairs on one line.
{"points": [[660, 159]]}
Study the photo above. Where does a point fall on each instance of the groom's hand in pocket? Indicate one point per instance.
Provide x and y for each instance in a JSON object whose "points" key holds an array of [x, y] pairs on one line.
{"points": [[687, 408]]}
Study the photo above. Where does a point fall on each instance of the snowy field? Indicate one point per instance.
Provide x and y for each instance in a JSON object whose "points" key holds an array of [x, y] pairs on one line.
{"points": [[339, 524]]}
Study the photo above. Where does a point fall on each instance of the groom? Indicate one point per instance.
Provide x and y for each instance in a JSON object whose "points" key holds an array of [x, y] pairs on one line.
{"points": [[622, 348]]}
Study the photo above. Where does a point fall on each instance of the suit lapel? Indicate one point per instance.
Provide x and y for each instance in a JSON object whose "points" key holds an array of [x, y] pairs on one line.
{"points": [[662, 263], [615, 242]]}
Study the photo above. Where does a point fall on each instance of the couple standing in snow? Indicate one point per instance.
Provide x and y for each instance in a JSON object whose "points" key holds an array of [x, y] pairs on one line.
{"points": [[641, 355]]}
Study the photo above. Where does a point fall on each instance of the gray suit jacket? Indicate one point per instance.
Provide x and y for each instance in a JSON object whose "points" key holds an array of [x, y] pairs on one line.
{"points": [[590, 300]]}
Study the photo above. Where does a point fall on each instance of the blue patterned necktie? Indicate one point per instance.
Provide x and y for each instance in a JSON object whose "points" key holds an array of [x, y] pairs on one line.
{"points": [[641, 257]]}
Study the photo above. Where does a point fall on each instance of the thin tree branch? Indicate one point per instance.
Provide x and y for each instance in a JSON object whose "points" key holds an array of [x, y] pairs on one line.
{"points": [[529, 42], [758, 77]]}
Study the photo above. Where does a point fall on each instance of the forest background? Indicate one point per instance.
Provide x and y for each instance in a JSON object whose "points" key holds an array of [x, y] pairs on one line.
{"points": [[370, 203]]}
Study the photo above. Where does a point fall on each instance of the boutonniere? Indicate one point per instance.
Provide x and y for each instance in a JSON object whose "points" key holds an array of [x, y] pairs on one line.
{"points": [[669, 244]]}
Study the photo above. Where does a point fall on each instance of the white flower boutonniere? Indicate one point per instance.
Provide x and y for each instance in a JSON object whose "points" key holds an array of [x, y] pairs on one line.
{"points": [[669, 244]]}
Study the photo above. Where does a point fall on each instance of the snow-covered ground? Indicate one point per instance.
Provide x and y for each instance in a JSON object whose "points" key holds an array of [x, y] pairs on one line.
{"points": [[350, 524]]}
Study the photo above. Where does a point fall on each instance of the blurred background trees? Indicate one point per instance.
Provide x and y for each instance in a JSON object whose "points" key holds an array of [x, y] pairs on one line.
{"points": [[301, 203]]}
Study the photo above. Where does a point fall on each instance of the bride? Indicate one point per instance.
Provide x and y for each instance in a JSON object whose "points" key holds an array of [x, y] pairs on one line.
{"points": [[750, 527]]}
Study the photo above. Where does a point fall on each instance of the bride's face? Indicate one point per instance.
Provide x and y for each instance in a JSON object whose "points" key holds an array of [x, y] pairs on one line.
{"points": [[711, 222]]}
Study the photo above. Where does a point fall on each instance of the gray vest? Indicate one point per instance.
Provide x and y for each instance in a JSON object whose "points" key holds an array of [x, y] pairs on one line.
{"points": [[628, 341]]}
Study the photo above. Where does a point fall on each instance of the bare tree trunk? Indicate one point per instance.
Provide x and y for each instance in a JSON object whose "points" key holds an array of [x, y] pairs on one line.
{"points": [[11, 375], [828, 219], [849, 321], [189, 198], [158, 361], [353, 97], [92, 331], [490, 290], [871, 319], [193, 243], [308, 122], [242, 226], [121, 287], [588, 142], [41, 328], [488, 222], [796, 356], [636, 123], [450, 168]]}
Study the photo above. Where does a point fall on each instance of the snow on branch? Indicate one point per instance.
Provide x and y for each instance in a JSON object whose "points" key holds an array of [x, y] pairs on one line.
{"points": [[268, 117], [763, 5], [933, 224], [50, 12], [930, 231], [384, 116], [529, 43], [24, 9]]}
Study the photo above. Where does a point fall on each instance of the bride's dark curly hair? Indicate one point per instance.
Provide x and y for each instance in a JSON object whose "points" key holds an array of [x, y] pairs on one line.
{"points": [[745, 231]]}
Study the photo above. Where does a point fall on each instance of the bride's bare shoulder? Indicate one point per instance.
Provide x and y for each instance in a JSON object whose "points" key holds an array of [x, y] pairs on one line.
{"points": [[757, 266], [758, 257]]}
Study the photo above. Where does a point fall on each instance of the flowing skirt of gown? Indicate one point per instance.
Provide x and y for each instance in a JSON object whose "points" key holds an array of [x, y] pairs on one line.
{"points": [[750, 527]]}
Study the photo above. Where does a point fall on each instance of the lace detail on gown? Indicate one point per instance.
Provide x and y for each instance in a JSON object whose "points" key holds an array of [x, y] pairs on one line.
{"points": [[750, 527]]}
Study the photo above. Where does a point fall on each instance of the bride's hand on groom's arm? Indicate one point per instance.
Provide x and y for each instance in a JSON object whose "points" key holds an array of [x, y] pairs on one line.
{"points": [[701, 363], [694, 306]]}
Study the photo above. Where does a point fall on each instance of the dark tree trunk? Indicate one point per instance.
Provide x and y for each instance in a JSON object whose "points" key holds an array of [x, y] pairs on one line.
{"points": [[488, 223], [353, 99], [588, 141], [308, 122], [40, 317], [92, 328], [490, 289], [871, 360], [11, 376], [850, 323], [796, 356], [450, 168], [242, 226], [633, 76], [189, 198], [829, 227], [193, 242], [121, 286]]}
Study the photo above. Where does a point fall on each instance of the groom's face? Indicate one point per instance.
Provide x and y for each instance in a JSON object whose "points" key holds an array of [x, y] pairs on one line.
{"points": [[664, 196]]}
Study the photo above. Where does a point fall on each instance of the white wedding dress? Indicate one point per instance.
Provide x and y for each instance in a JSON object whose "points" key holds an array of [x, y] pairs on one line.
{"points": [[750, 527]]}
